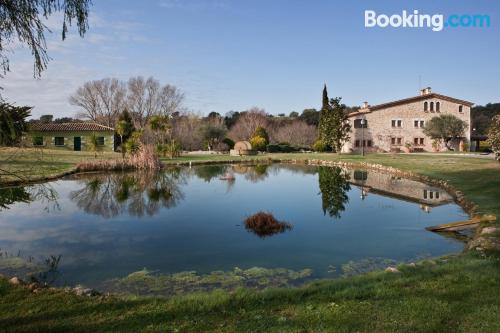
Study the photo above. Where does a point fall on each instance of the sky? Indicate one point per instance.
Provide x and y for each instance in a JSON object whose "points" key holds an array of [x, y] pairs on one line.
{"points": [[276, 54]]}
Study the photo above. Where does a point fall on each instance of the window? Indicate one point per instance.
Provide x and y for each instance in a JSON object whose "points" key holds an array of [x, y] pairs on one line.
{"points": [[417, 123], [415, 141], [59, 141], [357, 123], [431, 195], [369, 143], [438, 107], [426, 106], [421, 141], [396, 141], [38, 141], [460, 109], [100, 141], [432, 106], [396, 122], [356, 143], [437, 195], [425, 194]]}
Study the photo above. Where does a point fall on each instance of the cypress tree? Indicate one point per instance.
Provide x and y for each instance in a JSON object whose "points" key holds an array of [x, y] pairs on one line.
{"points": [[334, 126]]}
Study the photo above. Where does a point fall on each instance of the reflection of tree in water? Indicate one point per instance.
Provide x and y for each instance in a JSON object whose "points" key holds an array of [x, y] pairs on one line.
{"points": [[333, 185], [253, 173], [137, 194], [25, 194], [209, 172]]}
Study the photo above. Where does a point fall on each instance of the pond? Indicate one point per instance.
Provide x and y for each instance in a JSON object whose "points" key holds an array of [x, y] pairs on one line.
{"points": [[185, 229]]}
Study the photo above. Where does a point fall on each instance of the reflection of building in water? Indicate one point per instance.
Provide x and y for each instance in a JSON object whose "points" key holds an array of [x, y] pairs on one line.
{"points": [[401, 188]]}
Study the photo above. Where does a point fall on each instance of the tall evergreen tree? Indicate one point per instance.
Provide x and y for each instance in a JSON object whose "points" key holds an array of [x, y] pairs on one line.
{"points": [[325, 104], [334, 126]]}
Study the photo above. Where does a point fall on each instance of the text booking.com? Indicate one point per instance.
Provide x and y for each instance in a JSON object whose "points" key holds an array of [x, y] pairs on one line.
{"points": [[436, 22]]}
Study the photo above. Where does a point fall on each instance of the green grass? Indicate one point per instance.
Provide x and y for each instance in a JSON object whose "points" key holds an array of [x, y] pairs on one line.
{"points": [[454, 294], [458, 294], [31, 164]]}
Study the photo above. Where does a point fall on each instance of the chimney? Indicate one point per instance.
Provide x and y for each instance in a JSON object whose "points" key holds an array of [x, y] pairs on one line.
{"points": [[365, 105], [425, 91]]}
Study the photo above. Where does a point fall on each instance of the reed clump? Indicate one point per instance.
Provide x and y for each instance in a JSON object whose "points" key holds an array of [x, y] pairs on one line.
{"points": [[144, 159], [265, 224]]}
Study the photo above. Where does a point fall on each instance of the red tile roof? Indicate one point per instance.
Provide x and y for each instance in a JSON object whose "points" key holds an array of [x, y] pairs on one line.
{"points": [[65, 127]]}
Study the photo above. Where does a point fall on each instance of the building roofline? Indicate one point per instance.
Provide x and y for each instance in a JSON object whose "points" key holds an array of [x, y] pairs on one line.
{"points": [[70, 127], [409, 100]]}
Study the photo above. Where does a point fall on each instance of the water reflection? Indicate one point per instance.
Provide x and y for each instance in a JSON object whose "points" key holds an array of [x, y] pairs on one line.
{"points": [[389, 185], [38, 192], [333, 186], [137, 194]]}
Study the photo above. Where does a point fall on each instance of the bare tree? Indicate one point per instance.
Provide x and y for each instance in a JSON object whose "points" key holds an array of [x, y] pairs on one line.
{"points": [[147, 98], [297, 133], [101, 100], [247, 122], [187, 130]]}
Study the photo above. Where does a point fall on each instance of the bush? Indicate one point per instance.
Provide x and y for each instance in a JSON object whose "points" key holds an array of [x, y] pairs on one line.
{"points": [[280, 148], [258, 143], [273, 148], [319, 146], [494, 136], [228, 142], [261, 131]]}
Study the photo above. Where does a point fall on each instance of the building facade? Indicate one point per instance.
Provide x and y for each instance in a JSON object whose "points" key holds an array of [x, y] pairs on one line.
{"points": [[398, 126], [71, 136]]}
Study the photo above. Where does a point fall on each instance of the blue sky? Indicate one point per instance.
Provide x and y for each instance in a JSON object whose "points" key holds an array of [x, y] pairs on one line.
{"points": [[232, 55]]}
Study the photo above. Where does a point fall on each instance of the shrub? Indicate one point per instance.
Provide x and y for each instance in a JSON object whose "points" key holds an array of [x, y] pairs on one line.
{"points": [[261, 131], [228, 142], [272, 148], [494, 136], [319, 146], [258, 143], [265, 224]]}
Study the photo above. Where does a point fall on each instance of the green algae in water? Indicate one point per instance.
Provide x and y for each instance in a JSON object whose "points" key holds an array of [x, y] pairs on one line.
{"points": [[145, 282]]}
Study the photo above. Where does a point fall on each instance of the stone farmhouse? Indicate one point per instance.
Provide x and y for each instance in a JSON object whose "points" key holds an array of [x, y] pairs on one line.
{"points": [[71, 136], [397, 126]]}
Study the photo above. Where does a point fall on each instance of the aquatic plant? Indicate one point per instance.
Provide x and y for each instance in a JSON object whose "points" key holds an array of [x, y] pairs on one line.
{"points": [[145, 282], [265, 224]]}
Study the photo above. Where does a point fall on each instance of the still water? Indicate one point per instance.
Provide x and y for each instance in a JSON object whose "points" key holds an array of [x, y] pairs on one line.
{"points": [[184, 229]]}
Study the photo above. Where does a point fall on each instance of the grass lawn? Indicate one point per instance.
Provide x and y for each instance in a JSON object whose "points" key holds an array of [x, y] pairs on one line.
{"points": [[457, 294], [37, 163], [454, 294]]}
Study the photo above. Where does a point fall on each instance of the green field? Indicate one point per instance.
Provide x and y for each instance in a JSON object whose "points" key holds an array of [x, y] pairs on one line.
{"points": [[454, 294]]}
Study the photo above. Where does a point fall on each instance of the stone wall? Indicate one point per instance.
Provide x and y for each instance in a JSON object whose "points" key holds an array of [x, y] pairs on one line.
{"points": [[380, 130]]}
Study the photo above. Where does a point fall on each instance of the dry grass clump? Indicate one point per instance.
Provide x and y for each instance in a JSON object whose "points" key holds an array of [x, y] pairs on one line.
{"points": [[145, 159], [265, 224]]}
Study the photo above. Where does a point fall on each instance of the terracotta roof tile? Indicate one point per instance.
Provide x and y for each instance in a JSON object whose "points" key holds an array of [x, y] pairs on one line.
{"points": [[62, 127]]}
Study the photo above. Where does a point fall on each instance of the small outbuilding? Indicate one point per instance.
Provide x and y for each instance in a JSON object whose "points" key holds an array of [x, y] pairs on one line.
{"points": [[242, 148], [71, 136]]}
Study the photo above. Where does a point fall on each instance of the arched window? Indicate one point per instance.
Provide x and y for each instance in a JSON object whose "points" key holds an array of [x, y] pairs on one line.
{"points": [[438, 106], [460, 109], [426, 106], [432, 106]]}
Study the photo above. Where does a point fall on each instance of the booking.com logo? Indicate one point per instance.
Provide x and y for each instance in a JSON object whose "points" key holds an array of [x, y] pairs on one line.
{"points": [[437, 22]]}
